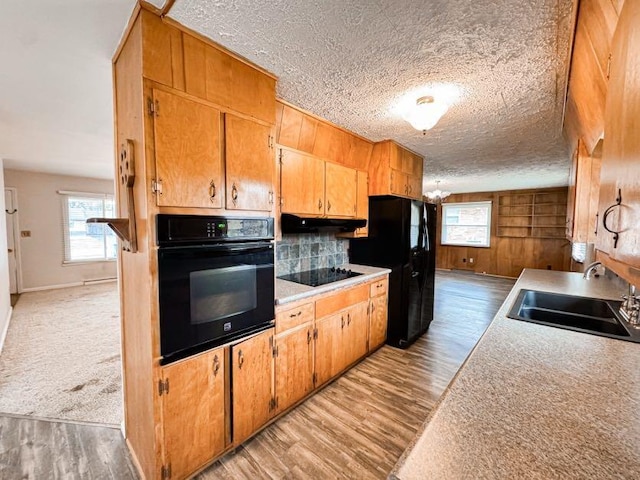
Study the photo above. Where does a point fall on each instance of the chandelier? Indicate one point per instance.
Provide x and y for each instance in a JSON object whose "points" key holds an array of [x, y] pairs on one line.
{"points": [[437, 195]]}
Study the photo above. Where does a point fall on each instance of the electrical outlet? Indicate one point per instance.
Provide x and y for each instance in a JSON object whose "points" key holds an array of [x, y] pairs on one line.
{"points": [[25, 233], [470, 260]]}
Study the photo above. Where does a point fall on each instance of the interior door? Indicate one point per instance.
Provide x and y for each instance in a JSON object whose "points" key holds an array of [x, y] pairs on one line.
{"points": [[11, 211]]}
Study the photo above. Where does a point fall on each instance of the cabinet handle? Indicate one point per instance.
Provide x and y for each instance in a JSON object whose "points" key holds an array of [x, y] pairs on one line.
{"points": [[216, 365], [320, 204], [606, 214], [410, 189], [240, 359], [328, 205], [294, 315], [348, 319], [596, 230], [212, 190], [234, 193], [308, 337], [373, 307], [342, 319]]}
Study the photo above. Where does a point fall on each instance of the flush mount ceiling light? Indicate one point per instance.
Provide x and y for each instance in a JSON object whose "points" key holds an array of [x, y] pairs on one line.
{"points": [[425, 113], [437, 195]]}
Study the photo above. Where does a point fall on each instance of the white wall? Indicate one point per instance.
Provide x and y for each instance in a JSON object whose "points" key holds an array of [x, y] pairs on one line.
{"points": [[40, 211], [5, 300]]}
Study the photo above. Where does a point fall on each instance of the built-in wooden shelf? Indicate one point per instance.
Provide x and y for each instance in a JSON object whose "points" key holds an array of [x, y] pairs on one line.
{"points": [[535, 215]]}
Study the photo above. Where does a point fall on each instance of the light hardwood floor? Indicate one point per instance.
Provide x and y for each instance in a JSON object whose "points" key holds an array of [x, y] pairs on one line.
{"points": [[356, 427]]}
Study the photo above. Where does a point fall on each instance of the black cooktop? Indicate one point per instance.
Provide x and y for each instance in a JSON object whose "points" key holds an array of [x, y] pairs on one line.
{"points": [[321, 276]]}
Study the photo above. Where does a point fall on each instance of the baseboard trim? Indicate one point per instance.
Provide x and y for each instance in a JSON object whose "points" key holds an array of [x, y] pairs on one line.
{"points": [[68, 285], [6, 329]]}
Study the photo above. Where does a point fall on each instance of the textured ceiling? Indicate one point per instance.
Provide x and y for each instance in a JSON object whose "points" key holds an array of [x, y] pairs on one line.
{"points": [[351, 61]]}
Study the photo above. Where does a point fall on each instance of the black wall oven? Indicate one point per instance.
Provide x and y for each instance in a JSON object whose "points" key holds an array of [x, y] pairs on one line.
{"points": [[216, 281]]}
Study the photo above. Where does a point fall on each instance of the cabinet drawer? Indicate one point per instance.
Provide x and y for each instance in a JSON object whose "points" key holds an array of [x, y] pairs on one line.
{"points": [[339, 301], [292, 317], [379, 287]]}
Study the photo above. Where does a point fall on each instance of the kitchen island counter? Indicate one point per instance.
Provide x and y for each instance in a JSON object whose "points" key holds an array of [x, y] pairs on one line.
{"points": [[533, 401]]}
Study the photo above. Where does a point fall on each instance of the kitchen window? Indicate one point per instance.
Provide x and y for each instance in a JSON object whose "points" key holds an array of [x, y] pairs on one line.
{"points": [[466, 224], [87, 242]]}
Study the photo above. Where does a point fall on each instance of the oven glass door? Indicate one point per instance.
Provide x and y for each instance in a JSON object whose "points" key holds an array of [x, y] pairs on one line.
{"points": [[213, 293]]}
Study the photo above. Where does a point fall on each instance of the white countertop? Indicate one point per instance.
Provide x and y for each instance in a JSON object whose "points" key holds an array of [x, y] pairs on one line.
{"points": [[287, 292], [533, 401]]}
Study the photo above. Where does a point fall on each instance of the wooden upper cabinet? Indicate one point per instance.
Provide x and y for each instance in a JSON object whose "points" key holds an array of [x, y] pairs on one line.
{"points": [[311, 186], [187, 152], [214, 75], [393, 170], [250, 165], [162, 59], [621, 148], [193, 412], [302, 183], [301, 131], [584, 186], [589, 75], [252, 374], [294, 366], [340, 185]]}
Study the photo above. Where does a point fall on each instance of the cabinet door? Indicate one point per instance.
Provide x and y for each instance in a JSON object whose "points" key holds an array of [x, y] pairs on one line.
{"points": [[355, 334], [252, 374], [298, 170], [328, 347], [621, 154], [341, 184], [414, 187], [294, 366], [187, 151], [193, 412], [398, 183], [250, 165], [378, 322]]}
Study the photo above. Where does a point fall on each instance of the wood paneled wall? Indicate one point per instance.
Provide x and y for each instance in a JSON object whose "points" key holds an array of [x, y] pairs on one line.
{"points": [[506, 256]]}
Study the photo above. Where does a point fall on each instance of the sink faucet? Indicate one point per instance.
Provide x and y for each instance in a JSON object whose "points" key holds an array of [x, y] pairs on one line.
{"points": [[591, 268], [630, 308]]}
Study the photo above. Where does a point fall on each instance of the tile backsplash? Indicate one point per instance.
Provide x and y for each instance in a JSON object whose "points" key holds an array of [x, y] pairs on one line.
{"points": [[308, 251]]}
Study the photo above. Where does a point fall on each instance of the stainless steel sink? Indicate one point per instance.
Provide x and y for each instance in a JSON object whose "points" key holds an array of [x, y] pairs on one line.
{"points": [[587, 315]]}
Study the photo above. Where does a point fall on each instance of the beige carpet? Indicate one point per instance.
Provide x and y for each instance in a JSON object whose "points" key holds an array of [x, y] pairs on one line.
{"points": [[61, 357]]}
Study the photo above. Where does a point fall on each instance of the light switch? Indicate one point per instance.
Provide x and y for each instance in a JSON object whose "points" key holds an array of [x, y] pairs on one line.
{"points": [[25, 233]]}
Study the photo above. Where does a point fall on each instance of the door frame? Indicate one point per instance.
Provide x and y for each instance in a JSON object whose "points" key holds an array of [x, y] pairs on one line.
{"points": [[16, 238]]}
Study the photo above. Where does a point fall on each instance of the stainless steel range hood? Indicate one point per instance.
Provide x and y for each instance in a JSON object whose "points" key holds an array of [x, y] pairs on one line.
{"points": [[296, 224]]}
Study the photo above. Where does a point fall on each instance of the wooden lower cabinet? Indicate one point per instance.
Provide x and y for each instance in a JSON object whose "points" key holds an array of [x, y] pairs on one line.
{"points": [[251, 383], [193, 412], [267, 374], [378, 321], [341, 340], [328, 334], [355, 335], [293, 366]]}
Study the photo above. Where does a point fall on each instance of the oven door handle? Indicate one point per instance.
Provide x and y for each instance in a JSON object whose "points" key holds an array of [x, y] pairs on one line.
{"points": [[247, 247]]}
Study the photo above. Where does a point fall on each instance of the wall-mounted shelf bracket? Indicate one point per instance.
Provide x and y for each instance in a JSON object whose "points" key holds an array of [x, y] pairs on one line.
{"points": [[124, 228]]}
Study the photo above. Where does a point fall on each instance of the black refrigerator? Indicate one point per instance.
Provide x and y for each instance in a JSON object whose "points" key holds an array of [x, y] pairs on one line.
{"points": [[402, 238]]}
